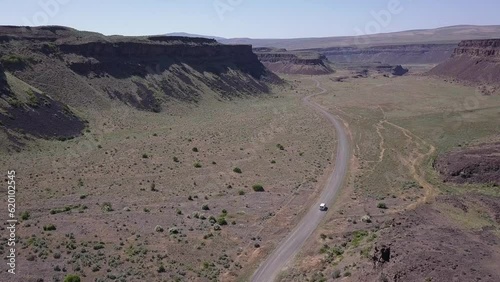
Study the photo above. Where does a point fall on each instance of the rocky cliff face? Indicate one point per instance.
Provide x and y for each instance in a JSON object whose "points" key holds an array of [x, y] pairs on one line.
{"points": [[131, 57], [91, 71], [3, 81], [479, 48], [141, 71], [282, 61], [395, 54], [473, 61]]}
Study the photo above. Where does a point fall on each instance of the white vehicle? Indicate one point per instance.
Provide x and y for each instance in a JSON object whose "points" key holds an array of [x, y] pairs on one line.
{"points": [[322, 207]]}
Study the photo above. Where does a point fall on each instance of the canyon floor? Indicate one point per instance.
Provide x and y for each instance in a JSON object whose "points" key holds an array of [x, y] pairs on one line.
{"points": [[171, 196]]}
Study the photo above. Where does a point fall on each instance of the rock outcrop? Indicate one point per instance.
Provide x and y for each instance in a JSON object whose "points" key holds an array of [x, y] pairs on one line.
{"points": [[478, 164], [86, 70], [473, 61], [282, 61], [393, 54], [399, 70], [143, 72], [3, 81]]}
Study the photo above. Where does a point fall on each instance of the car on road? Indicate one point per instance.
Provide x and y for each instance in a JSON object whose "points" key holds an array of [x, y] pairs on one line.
{"points": [[322, 207]]}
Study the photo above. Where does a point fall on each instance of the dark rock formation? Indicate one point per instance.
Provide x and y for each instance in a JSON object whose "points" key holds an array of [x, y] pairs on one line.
{"points": [[45, 118], [479, 164], [37, 115], [3, 81], [394, 54], [84, 69], [132, 58], [89, 70], [399, 70], [473, 61], [282, 61]]}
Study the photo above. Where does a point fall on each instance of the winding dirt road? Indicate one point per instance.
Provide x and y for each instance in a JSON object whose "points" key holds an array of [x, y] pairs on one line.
{"points": [[290, 246]]}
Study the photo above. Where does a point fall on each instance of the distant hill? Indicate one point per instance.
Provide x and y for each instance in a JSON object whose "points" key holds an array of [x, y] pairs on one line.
{"points": [[443, 35]]}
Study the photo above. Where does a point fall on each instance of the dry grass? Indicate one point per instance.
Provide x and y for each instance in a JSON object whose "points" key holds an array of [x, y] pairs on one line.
{"points": [[123, 180], [398, 126]]}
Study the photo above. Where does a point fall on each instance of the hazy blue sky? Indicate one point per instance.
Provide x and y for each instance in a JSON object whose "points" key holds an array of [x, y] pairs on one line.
{"points": [[249, 18]]}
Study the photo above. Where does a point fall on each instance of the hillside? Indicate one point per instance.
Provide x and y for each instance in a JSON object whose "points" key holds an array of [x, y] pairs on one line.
{"points": [[26, 109], [473, 61], [283, 61], [89, 71]]}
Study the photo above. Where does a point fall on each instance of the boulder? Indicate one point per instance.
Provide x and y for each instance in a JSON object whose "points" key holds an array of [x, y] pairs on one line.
{"points": [[366, 219]]}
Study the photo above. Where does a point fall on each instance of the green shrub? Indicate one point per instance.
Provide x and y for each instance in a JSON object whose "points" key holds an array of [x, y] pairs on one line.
{"points": [[98, 247], [49, 227], [205, 207], [107, 207], [25, 215], [72, 278], [197, 164], [279, 146], [358, 236], [32, 98], [176, 159], [241, 192], [195, 150], [222, 221], [382, 205], [258, 188], [237, 170], [15, 61], [145, 156]]}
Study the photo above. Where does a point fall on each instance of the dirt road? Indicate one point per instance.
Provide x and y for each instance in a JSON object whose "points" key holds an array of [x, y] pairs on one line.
{"points": [[289, 247]]}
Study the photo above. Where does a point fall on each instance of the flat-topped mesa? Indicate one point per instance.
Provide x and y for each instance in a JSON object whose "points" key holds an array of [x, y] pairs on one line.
{"points": [[197, 40], [277, 57], [87, 70], [147, 49], [390, 54], [479, 48], [474, 61], [282, 61], [42, 33], [127, 50]]}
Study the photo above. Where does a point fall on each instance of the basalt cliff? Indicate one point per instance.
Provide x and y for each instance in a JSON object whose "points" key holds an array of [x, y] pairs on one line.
{"points": [[60, 71], [473, 61], [293, 62]]}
